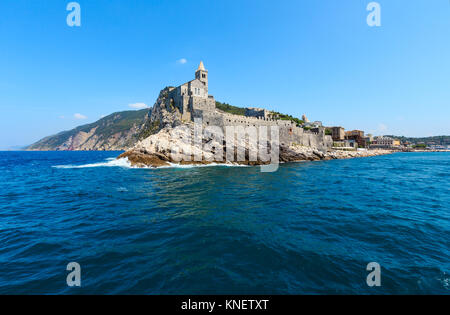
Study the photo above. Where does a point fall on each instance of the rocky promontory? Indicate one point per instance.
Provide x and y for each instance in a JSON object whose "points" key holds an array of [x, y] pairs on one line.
{"points": [[170, 140], [170, 145]]}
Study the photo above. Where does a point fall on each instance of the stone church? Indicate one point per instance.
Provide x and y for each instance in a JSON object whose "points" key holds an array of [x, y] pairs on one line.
{"points": [[193, 95]]}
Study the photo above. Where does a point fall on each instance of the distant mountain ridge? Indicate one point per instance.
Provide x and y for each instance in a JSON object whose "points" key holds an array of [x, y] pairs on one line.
{"points": [[438, 140], [118, 131]]}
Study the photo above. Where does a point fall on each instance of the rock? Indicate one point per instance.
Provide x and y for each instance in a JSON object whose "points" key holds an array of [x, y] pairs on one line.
{"points": [[318, 154], [174, 145], [144, 159]]}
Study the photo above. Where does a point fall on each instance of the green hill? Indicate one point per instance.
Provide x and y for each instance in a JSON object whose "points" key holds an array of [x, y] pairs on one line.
{"points": [[117, 131], [438, 140], [230, 108]]}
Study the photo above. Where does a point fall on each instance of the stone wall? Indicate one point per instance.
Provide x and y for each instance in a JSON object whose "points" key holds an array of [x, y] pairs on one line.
{"points": [[257, 112], [289, 133]]}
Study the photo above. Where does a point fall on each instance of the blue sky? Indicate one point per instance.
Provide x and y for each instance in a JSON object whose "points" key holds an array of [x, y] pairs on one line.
{"points": [[314, 57]]}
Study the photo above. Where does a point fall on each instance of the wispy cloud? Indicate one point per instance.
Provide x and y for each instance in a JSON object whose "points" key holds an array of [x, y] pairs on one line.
{"points": [[79, 116], [138, 105], [182, 61], [382, 127]]}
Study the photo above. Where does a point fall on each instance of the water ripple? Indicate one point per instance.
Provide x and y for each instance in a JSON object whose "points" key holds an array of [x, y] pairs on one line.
{"points": [[307, 228]]}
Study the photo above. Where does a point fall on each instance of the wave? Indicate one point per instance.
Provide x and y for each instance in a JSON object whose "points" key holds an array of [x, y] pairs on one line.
{"points": [[123, 162], [110, 162]]}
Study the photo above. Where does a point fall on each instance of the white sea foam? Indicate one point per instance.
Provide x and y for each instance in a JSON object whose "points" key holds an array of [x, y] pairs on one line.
{"points": [[113, 162], [110, 162]]}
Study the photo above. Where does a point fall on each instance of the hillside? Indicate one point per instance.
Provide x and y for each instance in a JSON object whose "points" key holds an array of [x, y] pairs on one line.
{"points": [[230, 109], [438, 140], [118, 131]]}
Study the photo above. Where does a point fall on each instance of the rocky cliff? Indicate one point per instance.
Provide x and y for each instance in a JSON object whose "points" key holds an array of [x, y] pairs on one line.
{"points": [[169, 139], [173, 145]]}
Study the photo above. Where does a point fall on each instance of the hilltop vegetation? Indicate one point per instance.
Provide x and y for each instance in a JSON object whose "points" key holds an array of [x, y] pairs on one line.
{"points": [[230, 108], [298, 121], [241, 111]]}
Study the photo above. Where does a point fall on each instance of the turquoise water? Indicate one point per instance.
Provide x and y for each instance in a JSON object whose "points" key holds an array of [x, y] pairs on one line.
{"points": [[308, 228]]}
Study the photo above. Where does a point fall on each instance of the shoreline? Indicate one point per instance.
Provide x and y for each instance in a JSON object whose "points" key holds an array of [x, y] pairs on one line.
{"points": [[124, 150], [145, 160]]}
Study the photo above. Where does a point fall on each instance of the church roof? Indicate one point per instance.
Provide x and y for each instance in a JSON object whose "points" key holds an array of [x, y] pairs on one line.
{"points": [[201, 66]]}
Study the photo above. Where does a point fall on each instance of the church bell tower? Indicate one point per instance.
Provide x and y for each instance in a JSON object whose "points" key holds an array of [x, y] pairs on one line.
{"points": [[202, 74]]}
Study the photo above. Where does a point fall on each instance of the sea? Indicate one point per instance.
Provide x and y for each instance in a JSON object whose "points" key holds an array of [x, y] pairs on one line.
{"points": [[308, 228]]}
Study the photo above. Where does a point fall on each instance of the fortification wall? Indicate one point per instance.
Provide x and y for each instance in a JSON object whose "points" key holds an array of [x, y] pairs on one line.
{"points": [[289, 133]]}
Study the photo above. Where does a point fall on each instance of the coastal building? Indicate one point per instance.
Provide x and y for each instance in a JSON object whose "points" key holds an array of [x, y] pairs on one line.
{"points": [[385, 142], [258, 112], [407, 144], [314, 124], [345, 145], [357, 136], [369, 138], [352, 133], [338, 133], [304, 118], [352, 143]]}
